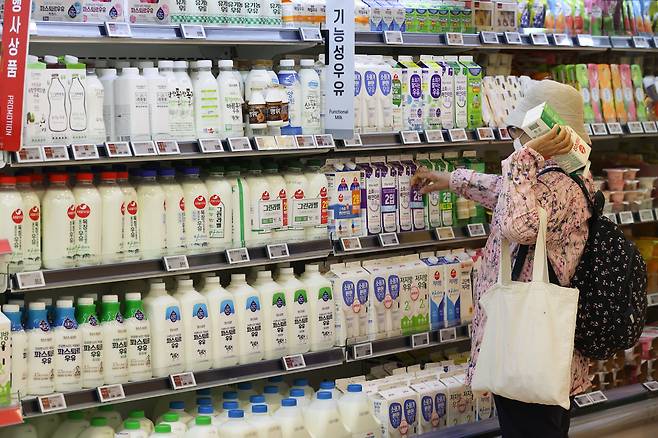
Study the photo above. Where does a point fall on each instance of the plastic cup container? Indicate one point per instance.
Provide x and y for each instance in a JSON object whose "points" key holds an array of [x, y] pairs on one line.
{"points": [[647, 182], [631, 184], [632, 196], [630, 173], [615, 179], [616, 197]]}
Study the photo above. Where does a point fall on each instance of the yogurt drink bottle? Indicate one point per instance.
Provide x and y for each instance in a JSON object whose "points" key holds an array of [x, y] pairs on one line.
{"points": [[206, 103], [311, 97], [74, 424], [40, 354], [19, 350], [92, 343], [356, 413], [129, 210], [196, 211], [68, 348], [115, 342], [144, 423], [88, 217], [298, 311], [31, 244], [112, 416], [240, 200], [112, 219], [291, 419], [167, 347], [164, 430], [272, 397], [185, 99], [220, 214], [318, 195], [250, 319], [224, 323], [237, 426], [174, 212], [265, 209], [197, 330], [98, 429], [230, 101], [278, 191], [322, 318], [58, 226], [275, 315], [139, 338], [151, 199], [299, 210], [322, 418], [266, 426], [131, 429]]}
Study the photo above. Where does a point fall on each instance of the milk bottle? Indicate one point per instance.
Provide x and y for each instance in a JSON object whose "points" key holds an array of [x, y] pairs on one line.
{"points": [[237, 426], [58, 225], [221, 310], [299, 394], [129, 210], [272, 397], [131, 429], [163, 312], [290, 80], [266, 426], [144, 423], [291, 420], [115, 342], [230, 101], [165, 431], [37, 184], [240, 200], [298, 311], [321, 308], [173, 420], [197, 327], [112, 416], [174, 212], [88, 217], [250, 319], [278, 190], [31, 244], [317, 192], [157, 88], [40, 353], [265, 209], [139, 339], [275, 315], [206, 104], [302, 383], [19, 350], [322, 418], [356, 414], [92, 343], [112, 219], [220, 214], [196, 214], [74, 424], [151, 199], [44, 424], [131, 106], [184, 94], [202, 428], [94, 98], [298, 209], [166, 70], [310, 97], [24, 430], [98, 429], [68, 348], [12, 220]]}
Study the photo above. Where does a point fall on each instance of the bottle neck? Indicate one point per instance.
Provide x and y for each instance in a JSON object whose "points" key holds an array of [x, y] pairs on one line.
{"points": [[65, 317], [38, 319], [135, 309], [87, 314], [110, 312]]}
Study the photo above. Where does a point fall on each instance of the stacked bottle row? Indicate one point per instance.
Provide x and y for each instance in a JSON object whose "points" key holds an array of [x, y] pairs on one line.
{"points": [[187, 330], [71, 102], [107, 218]]}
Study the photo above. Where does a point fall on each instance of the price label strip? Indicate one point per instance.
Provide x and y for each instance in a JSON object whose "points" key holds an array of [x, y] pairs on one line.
{"points": [[420, 340], [646, 215], [393, 37], [51, 403], [306, 142], [266, 143], [237, 255], [651, 385], [447, 334], [29, 154], [350, 243], [635, 128], [110, 393], [615, 128], [143, 148], [489, 37], [410, 137], [193, 31], [239, 144], [652, 299], [476, 230], [210, 145], [182, 381], [626, 218], [278, 251], [457, 134], [30, 280], [325, 141], [513, 38], [176, 263], [445, 233], [650, 127], [118, 149], [641, 42], [388, 239], [599, 129], [361, 351], [118, 29], [585, 40], [612, 217], [597, 397], [310, 34], [434, 136], [286, 141], [354, 141], [485, 134], [84, 151], [167, 147], [454, 39], [503, 134], [562, 39], [539, 39], [55, 153], [294, 362]]}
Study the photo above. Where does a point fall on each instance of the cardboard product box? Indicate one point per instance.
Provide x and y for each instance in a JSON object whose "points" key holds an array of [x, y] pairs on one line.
{"points": [[460, 84], [351, 289], [627, 88], [396, 93], [397, 410], [618, 93], [57, 10], [370, 194], [431, 200], [436, 291], [582, 84], [76, 97], [474, 75], [385, 298], [504, 16], [5, 360], [483, 15], [460, 409], [412, 94], [413, 295], [638, 88], [35, 119], [607, 97], [466, 287]]}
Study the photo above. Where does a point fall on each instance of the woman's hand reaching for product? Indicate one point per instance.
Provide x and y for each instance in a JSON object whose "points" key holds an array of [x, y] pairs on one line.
{"points": [[555, 142], [430, 181]]}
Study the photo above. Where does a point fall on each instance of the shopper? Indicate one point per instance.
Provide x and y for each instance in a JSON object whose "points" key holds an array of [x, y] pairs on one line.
{"points": [[515, 198]]}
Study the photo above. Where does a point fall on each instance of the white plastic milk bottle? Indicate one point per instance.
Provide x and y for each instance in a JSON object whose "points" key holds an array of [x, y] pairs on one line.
{"points": [[298, 211], [250, 319], [206, 103], [298, 311], [166, 70], [272, 397], [40, 355], [196, 210], [322, 318], [278, 190], [94, 97], [158, 102], [289, 79], [151, 199], [177, 427], [115, 342], [58, 225], [68, 348], [237, 426], [74, 424], [174, 212], [131, 106], [322, 418], [311, 97], [12, 220], [31, 245], [107, 76], [19, 350], [317, 193], [131, 429], [230, 101], [275, 315], [185, 97], [129, 211], [98, 429], [356, 413], [265, 425], [139, 338], [291, 419], [220, 214], [92, 343], [221, 309], [203, 428], [144, 423], [240, 200], [163, 311], [197, 327], [112, 219], [88, 217], [266, 210]]}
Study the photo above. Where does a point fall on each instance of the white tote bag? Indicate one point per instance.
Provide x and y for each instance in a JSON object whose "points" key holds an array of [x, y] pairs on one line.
{"points": [[527, 347]]}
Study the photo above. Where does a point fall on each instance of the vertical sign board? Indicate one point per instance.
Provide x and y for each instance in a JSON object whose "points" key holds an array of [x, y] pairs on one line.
{"points": [[13, 56], [339, 110]]}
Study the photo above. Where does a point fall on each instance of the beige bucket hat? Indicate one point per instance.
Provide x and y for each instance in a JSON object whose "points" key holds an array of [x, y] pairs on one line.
{"points": [[564, 99]]}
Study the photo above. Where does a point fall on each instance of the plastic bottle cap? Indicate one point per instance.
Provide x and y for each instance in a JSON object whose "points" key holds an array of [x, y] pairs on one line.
{"points": [[98, 422], [287, 63], [129, 71], [306, 63], [108, 176], [324, 395], [256, 399], [288, 402], [76, 415], [136, 414], [131, 425], [296, 382], [245, 385], [204, 401], [163, 428], [270, 389], [259, 409], [230, 395], [37, 305], [297, 392], [180, 64], [327, 385], [204, 63], [165, 63], [70, 59], [236, 413], [84, 176], [85, 301], [133, 296], [225, 63], [10, 308], [50, 59], [171, 417], [148, 173], [110, 299], [206, 391], [203, 420], [229, 405], [275, 379], [64, 304], [354, 387], [205, 410], [312, 268], [178, 405]]}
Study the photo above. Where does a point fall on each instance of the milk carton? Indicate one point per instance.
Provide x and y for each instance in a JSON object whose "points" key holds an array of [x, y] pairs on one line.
{"points": [[473, 91], [389, 196], [5, 360], [431, 404], [57, 10], [436, 290], [403, 182], [452, 283], [415, 197], [412, 94], [383, 304], [432, 211], [98, 11], [397, 410], [414, 316], [396, 92], [460, 84], [484, 406], [431, 92], [351, 289], [466, 287], [35, 122], [465, 404], [447, 96], [147, 11], [371, 194], [446, 197]]}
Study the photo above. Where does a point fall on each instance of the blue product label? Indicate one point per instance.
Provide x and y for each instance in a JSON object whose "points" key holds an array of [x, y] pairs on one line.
{"points": [[410, 411], [415, 86], [394, 286], [313, 84], [395, 415], [227, 307], [70, 324], [370, 80], [172, 313], [389, 200], [379, 288], [200, 311], [440, 405], [427, 407], [385, 82], [435, 86], [362, 289], [253, 304], [348, 293], [357, 83], [139, 315], [435, 322], [288, 79], [119, 318]]}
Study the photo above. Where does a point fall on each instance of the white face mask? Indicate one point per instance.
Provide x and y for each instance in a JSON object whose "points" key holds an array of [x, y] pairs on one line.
{"points": [[517, 144]]}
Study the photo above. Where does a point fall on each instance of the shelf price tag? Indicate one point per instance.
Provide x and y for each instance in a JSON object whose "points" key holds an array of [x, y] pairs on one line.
{"points": [[51, 403], [612, 217], [651, 385], [445, 233], [361, 351], [599, 129], [650, 127], [325, 141], [641, 42], [305, 142], [176, 263], [193, 31], [655, 213], [626, 217], [585, 40], [469, 330], [597, 397], [388, 239], [294, 362], [635, 128], [485, 134], [354, 141], [286, 141], [350, 243], [539, 39], [143, 148], [655, 42], [503, 134], [652, 299], [167, 147], [210, 145], [29, 154], [410, 137], [278, 251], [239, 144], [265, 143], [110, 393], [118, 149], [237, 255], [562, 39], [30, 280], [84, 151], [55, 153], [513, 38], [310, 34], [454, 39], [457, 134], [489, 37], [393, 37], [434, 136], [447, 334], [116, 29], [582, 400], [476, 230], [588, 129], [646, 215], [182, 381], [420, 340], [615, 128]]}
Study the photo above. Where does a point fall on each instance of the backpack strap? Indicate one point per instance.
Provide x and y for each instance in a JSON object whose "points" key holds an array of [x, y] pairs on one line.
{"points": [[596, 205]]}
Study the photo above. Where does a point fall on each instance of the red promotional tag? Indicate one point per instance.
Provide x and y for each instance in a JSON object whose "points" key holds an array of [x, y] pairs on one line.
{"points": [[13, 56]]}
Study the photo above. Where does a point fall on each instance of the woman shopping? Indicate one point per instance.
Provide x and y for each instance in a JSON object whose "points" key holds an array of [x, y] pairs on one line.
{"points": [[516, 198]]}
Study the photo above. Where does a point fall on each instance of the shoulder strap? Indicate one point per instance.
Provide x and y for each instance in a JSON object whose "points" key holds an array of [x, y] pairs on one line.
{"points": [[521, 256], [575, 178]]}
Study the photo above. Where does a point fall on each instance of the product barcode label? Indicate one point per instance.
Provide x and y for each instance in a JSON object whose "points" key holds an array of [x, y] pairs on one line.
{"points": [[650, 127], [447, 334], [420, 340], [55, 153], [110, 393], [30, 280], [237, 255], [270, 214], [599, 129], [29, 154], [116, 149], [182, 381], [306, 212], [361, 351], [651, 385], [51, 403], [278, 251], [176, 263], [211, 145], [294, 362], [167, 147]]}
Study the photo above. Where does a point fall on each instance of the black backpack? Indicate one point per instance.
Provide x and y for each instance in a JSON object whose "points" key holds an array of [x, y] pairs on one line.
{"points": [[612, 280]]}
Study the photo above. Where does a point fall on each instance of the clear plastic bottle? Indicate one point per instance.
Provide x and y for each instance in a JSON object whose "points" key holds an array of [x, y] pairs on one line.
{"points": [[19, 350], [115, 342], [58, 226], [68, 348], [230, 100], [92, 343], [220, 214], [322, 418], [107, 78], [112, 229], [139, 338], [356, 413], [275, 315], [237, 426], [151, 199], [196, 211], [174, 212], [250, 319], [221, 307], [197, 327], [88, 220], [41, 351], [74, 424], [12, 221]]}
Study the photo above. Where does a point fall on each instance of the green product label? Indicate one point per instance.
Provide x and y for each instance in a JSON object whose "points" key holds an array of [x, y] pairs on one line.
{"points": [[406, 325], [397, 92], [279, 300], [300, 296], [324, 294]]}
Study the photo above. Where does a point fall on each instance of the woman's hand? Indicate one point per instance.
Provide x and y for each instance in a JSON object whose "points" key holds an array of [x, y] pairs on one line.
{"points": [[429, 181], [555, 142]]}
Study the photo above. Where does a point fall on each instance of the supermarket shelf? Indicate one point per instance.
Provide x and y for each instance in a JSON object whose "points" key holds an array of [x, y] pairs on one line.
{"points": [[159, 387], [142, 269]]}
